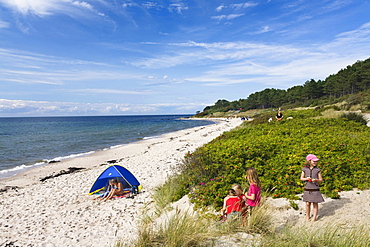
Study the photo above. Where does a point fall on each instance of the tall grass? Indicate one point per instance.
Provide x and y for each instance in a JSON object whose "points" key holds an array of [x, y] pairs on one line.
{"points": [[184, 229], [180, 229], [330, 235], [164, 195]]}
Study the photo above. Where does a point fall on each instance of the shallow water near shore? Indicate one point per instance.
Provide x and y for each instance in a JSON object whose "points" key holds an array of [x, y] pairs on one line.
{"points": [[28, 142]]}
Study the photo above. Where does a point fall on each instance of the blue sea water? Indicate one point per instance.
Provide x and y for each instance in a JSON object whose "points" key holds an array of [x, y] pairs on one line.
{"points": [[27, 142]]}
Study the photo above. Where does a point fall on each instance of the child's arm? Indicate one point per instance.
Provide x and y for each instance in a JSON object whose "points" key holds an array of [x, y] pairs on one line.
{"points": [[318, 180], [303, 178], [251, 197], [120, 188], [224, 208]]}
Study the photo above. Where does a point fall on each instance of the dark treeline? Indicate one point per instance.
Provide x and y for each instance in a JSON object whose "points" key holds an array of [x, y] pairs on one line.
{"points": [[351, 80]]}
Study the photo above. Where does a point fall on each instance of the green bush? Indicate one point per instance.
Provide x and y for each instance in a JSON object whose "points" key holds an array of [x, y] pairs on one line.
{"points": [[355, 117], [277, 150]]}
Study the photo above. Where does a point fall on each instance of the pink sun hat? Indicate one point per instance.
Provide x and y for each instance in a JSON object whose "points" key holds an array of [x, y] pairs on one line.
{"points": [[312, 157]]}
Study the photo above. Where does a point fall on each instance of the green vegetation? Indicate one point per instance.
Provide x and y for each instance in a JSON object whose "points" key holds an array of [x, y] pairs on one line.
{"points": [[277, 150], [351, 85], [332, 235], [194, 229]]}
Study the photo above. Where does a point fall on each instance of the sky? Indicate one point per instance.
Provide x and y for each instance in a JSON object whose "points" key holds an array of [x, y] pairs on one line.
{"points": [[113, 57]]}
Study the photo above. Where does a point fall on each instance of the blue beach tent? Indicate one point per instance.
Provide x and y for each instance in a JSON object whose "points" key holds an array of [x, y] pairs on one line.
{"points": [[115, 171]]}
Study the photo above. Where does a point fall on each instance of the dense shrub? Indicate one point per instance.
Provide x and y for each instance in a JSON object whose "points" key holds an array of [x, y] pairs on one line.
{"points": [[355, 117], [277, 150]]}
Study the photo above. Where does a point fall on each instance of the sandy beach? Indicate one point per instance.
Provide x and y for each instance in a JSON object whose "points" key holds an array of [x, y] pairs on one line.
{"points": [[59, 211]]}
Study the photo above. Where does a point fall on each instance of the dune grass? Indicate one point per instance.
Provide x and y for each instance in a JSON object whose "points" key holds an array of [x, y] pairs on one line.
{"points": [[174, 228], [330, 235]]}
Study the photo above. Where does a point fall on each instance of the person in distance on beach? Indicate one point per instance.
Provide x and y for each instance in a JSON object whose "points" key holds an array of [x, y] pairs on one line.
{"points": [[254, 193], [279, 115], [116, 190], [312, 177], [110, 185]]}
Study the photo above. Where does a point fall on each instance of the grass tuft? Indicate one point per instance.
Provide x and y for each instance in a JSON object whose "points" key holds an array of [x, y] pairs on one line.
{"points": [[330, 235]]}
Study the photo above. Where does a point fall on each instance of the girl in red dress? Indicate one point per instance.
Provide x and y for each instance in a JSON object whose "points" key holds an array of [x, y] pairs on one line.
{"points": [[232, 205]]}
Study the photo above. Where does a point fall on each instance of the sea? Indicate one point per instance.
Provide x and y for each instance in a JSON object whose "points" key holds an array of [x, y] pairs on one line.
{"points": [[28, 142]]}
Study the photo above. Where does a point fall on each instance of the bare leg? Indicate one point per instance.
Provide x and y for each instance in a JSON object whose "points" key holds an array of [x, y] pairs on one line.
{"points": [[308, 210], [111, 194], [101, 197], [315, 211]]}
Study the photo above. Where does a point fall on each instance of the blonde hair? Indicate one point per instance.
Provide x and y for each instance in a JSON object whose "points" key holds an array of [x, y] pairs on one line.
{"points": [[237, 187], [252, 176]]}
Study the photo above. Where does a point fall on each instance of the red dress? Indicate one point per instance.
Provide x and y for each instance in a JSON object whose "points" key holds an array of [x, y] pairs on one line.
{"points": [[233, 204]]}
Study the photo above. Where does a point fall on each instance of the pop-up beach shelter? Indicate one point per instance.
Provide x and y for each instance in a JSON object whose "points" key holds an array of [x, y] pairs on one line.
{"points": [[115, 171]]}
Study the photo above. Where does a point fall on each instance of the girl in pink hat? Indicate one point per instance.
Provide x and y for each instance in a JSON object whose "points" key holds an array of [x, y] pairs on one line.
{"points": [[312, 195]]}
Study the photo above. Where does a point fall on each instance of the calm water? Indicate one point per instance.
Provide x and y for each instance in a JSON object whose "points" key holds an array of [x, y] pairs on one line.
{"points": [[29, 142]]}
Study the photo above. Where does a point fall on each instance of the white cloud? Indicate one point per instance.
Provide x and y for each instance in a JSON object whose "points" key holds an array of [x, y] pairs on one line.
{"points": [[239, 6], [337, 4], [355, 42], [152, 5], [37, 7], [264, 29], [82, 5], [177, 7], [220, 8], [127, 5], [47, 108], [110, 91], [4, 24], [226, 17]]}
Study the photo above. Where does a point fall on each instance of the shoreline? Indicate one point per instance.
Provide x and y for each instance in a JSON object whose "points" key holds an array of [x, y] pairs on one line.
{"points": [[56, 160], [59, 211], [42, 161]]}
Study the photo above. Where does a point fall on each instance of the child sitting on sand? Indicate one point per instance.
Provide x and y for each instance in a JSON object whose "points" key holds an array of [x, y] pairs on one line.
{"points": [[243, 200], [232, 205], [114, 188]]}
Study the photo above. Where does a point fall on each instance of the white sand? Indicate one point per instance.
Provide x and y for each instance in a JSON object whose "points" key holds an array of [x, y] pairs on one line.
{"points": [[351, 210], [59, 211]]}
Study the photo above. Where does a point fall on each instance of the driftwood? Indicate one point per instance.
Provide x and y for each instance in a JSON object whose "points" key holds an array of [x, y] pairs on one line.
{"points": [[9, 188], [62, 172]]}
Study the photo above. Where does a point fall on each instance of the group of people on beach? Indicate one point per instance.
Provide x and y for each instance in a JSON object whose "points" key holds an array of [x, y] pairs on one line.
{"points": [[239, 205], [236, 203]]}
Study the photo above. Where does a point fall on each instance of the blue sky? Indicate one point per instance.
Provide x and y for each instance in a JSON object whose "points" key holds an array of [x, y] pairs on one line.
{"points": [[111, 57]]}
